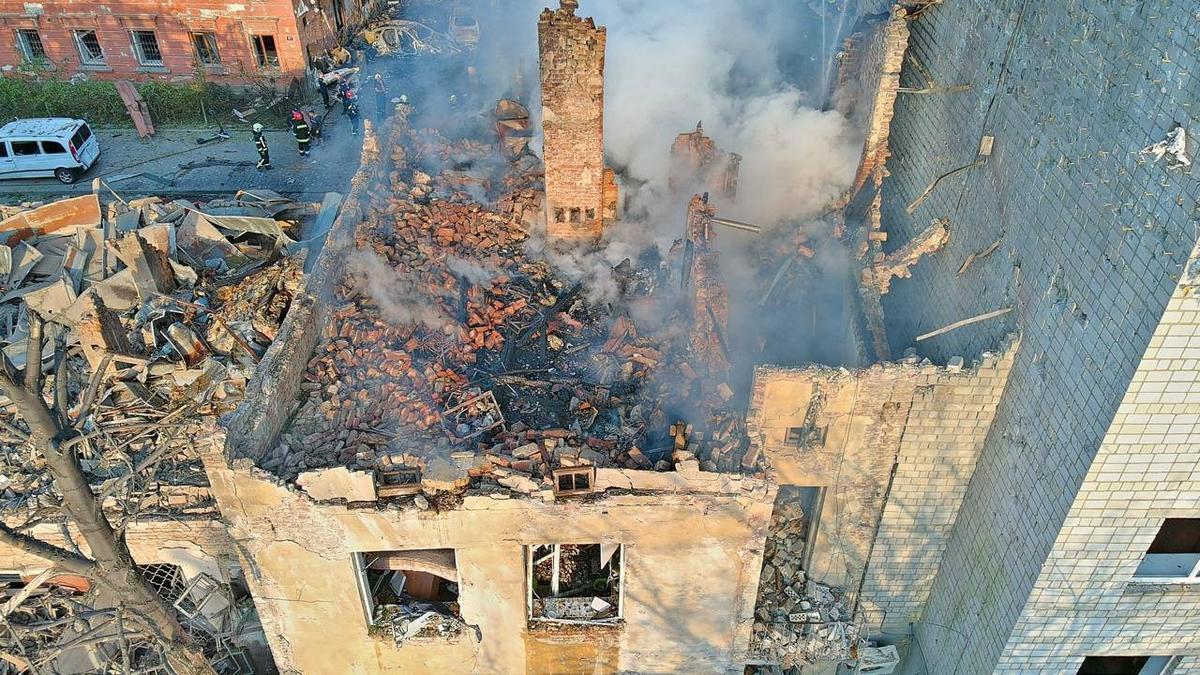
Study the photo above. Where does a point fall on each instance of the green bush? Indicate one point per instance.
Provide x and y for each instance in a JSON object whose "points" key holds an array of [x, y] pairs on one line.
{"points": [[99, 103]]}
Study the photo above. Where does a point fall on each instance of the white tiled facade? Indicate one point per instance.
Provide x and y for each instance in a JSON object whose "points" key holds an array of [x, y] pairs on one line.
{"points": [[1147, 469]]}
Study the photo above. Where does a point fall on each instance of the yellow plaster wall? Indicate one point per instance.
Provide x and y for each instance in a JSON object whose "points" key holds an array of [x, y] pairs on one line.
{"points": [[691, 571]]}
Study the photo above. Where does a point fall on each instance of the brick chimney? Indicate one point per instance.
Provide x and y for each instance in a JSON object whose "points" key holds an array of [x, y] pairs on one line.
{"points": [[571, 54]]}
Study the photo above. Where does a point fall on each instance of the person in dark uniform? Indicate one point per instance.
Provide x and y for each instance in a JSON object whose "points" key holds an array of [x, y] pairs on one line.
{"points": [[351, 103], [301, 131], [260, 143], [323, 90], [381, 97]]}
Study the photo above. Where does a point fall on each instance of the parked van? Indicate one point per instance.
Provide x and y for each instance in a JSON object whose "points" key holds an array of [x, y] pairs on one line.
{"points": [[47, 146]]}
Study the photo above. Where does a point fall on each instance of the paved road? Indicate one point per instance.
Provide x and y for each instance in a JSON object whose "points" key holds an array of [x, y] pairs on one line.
{"points": [[176, 164]]}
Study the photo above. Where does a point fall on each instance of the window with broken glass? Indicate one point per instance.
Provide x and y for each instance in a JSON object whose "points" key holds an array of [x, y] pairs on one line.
{"points": [[205, 46], [88, 44], [575, 583], [264, 51], [409, 595]]}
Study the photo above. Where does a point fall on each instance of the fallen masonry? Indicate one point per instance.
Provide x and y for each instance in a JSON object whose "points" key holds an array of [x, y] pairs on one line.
{"points": [[139, 320], [455, 350]]}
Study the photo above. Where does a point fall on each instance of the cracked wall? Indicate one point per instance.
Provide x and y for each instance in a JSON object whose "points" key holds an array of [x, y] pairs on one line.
{"points": [[691, 569], [848, 431]]}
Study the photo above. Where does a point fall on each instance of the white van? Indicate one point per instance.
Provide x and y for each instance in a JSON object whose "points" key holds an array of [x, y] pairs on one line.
{"points": [[47, 146]]}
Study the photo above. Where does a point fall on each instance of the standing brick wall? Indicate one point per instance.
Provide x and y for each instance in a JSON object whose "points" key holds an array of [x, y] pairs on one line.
{"points": [[1093, 239], [571, 53]]}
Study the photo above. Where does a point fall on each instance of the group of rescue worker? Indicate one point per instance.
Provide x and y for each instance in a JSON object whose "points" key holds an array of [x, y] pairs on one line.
{"points": [[305, 126]]}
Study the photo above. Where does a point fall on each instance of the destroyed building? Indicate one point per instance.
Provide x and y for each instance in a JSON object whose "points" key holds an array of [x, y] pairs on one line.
{"points": [[450, 452], [698, 165]]}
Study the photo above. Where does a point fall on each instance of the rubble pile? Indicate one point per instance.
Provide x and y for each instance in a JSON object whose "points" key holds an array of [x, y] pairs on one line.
{"points": [[443, 301], [797, 620], [141, 314]]}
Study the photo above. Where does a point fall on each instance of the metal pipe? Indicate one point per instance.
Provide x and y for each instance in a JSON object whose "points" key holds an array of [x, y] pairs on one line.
{"points": [[737, 225]]}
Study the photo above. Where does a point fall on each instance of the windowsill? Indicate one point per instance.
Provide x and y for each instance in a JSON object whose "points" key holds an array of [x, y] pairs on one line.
{"points": [[460, 635], [1163, 585], [215, 69], [559, 628], [95, 68], [153, 69]]}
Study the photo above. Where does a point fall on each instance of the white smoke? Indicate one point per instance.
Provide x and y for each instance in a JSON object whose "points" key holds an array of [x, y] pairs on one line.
{"points": [[400, 297]]}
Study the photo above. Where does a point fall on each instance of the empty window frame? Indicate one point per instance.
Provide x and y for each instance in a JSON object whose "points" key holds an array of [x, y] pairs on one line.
{"points": [[798, 437], [1174, 555], [1128, 665], [575, 583], [574, 480], [205, 47], [30, 43], [88, 45], [145, 46], [396, 585], [265, 53]]}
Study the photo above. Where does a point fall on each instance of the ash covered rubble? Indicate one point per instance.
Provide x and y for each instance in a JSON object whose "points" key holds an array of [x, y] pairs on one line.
{"points": [[145, 316], [797, 620], [457, 352]]}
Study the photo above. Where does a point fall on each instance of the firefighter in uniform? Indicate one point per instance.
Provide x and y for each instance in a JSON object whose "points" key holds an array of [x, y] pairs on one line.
{"points": [[381, 97], [260, 143], [301, 131], [351, 102]]}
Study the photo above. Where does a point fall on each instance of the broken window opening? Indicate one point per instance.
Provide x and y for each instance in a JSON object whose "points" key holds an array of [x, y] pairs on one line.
{"points": [[205, 46], [145, 45], [1174, 555], [560, 215], [1128, 665], [799, 437], [90, 51], [590, 214], [264, 51], [576, 583], [397, 482], [409, 594], [575, 215], [574, 480]]}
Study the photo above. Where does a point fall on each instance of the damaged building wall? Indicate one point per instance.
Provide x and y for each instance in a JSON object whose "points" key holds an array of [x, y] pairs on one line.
{"points": [[571, 50], [868, 84], [691, 564], [196, 545], [947, 424], [1092, 239], [845, 431], [232, 27], [698, 165], [269, 395]]}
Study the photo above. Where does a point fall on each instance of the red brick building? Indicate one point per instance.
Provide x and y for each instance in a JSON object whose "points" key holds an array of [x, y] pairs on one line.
{"points": [[224, 41]]}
